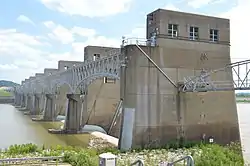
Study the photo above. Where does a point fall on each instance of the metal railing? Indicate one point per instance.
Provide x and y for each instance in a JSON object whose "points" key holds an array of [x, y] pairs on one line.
{"points": [[30, 159], [139, 41], [189, 159], [138, 163]]}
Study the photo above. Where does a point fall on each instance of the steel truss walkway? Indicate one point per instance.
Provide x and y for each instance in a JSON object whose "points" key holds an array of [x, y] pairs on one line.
{"points": [[241, 79]]}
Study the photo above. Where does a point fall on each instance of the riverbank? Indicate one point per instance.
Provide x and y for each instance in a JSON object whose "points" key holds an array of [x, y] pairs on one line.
{"points": [[243, 99], [204, 154], [5, 93]]}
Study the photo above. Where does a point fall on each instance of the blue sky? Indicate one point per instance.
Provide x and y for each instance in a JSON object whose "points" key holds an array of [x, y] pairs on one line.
{"points": [[35, 34]]}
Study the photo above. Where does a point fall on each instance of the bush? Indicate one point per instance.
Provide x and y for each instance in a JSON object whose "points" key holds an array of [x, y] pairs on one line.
{"points": [[203, 154], [216, 155], [22, 149], [83, 157]]}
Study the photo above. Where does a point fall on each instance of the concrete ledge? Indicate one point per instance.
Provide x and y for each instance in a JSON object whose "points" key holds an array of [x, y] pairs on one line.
{"points": [[26, 113], [43, 120], [62, 131], [105, 138], [22, 109]]}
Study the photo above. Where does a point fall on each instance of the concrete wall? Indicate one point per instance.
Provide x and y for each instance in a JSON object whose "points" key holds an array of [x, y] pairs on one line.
{"points": [[210, 113], [161, 19], [162, 115], [90, 51], [102, 100], [63, 65], [61, 99], [48, 71], [39, 74], [32, 78]]}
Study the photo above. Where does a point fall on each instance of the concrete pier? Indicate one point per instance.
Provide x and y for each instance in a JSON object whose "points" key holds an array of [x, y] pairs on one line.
{"points": [[73, 115], [26, 101], [42, 103], [73, 119], [18, 99], [23, 101], [29, 103], [49, 112], [35, 110]]}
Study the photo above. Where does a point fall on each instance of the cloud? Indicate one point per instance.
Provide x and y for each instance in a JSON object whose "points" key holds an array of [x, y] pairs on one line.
{"points": [[5, 67], [200, 3], [59, 33], [88, 8], [25, 19], [66, 35], [23, 55], [85, 32], [240, 33], [171, 7]]}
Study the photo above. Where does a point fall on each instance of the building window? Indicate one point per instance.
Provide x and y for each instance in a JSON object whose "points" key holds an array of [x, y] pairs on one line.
{"points": [[172, 30], [214, 35], [96, 56], [107, 80], [193, 33]]}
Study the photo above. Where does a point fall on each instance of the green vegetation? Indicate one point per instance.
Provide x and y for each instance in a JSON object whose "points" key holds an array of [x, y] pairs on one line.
{"points": [[246, 95], [242, 101], [5, 93], [242, 97], [204, 154], [7, 83]]}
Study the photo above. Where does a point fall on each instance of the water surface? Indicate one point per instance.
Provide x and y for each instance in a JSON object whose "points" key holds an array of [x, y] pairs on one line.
{"points": [[17, 128]]}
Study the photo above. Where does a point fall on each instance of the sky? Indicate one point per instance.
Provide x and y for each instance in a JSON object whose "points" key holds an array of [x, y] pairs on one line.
{"points": [[35, 34]]}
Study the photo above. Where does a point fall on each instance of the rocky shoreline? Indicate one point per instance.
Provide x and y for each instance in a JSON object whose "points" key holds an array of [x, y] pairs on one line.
{"points": [[150, 157]]}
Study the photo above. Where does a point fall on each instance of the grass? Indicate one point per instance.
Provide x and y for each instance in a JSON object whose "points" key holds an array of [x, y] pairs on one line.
{"points": [[242, 101], [5, 93], [204, 154]]}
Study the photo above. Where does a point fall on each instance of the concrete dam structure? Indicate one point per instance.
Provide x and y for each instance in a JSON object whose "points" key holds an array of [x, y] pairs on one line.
{"points": [[177, 84]]}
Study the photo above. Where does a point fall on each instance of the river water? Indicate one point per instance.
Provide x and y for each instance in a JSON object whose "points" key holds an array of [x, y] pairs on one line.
{"points": [[16, 128], [244, 123]]}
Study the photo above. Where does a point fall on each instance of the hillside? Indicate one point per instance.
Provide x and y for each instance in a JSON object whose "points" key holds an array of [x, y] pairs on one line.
{"points": [[7, 83]]}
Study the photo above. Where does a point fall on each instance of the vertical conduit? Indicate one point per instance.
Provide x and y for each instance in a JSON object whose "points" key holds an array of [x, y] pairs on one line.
{"points": [[117, 112], [152, 61]]}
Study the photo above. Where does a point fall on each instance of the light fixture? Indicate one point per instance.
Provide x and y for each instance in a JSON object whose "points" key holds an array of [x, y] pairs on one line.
{"points": [[211, 139]]}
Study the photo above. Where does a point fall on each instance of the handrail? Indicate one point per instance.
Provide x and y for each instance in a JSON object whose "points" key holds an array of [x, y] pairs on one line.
{"points": [[152, 61], [190, 161], [31, 159], [138, 163]]}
